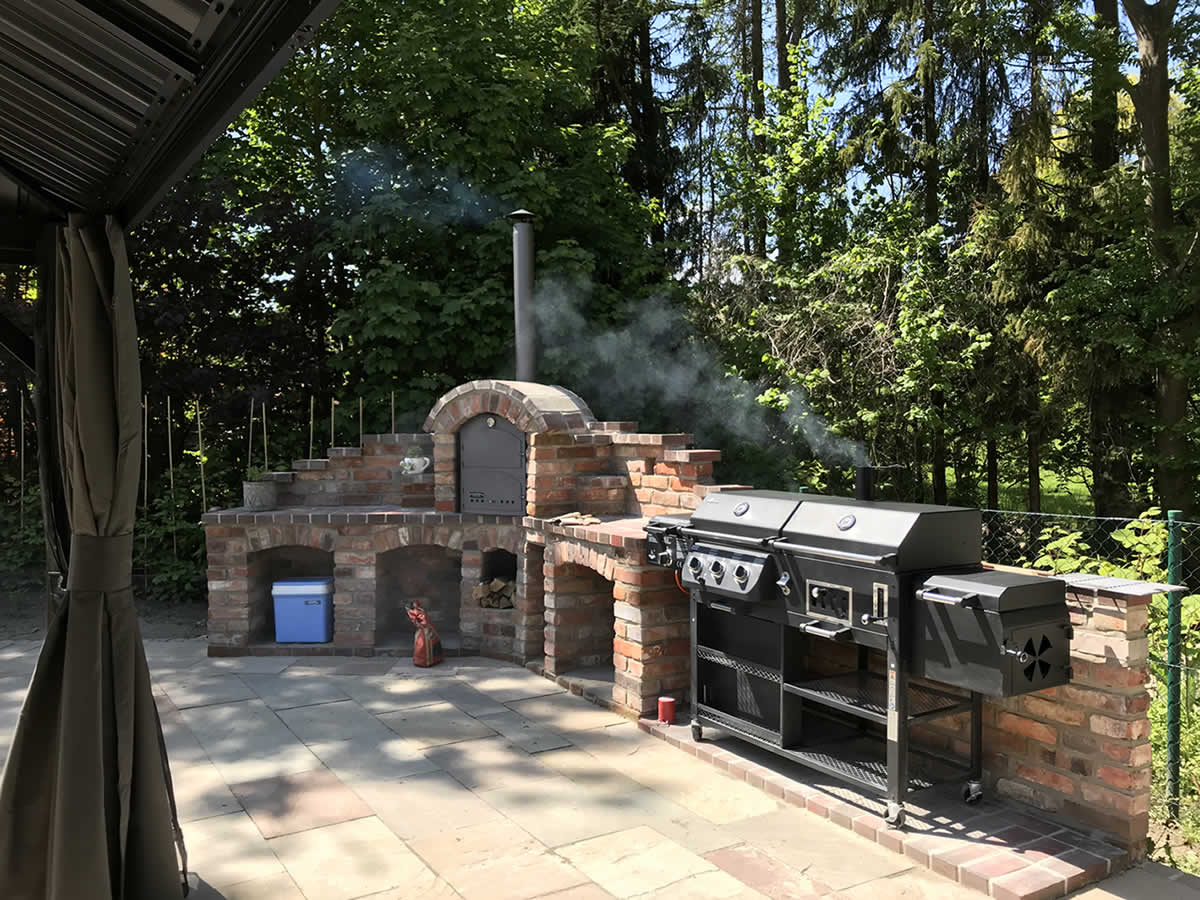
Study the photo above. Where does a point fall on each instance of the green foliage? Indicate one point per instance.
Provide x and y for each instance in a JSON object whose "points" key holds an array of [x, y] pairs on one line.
{"points": [[23, 549]]}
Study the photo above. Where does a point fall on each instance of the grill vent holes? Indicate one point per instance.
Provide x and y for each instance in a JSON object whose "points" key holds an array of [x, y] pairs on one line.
{"points": [[1038, 664]]}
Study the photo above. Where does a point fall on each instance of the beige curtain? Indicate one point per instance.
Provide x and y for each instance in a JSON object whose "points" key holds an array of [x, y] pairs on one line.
{"points": [[86, 808]]}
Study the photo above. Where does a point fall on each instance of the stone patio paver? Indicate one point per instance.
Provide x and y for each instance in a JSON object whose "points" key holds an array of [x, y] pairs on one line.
{"points": [[299, 802], [247, 741], [599, 809], [425, 804], [706, 886], [634, 861], [365, 761], [387, 693], [344, 720], [351, 860], [227, 850], [289, 691], [189, 689], [438, 723], [496, 861], [527, 735]]}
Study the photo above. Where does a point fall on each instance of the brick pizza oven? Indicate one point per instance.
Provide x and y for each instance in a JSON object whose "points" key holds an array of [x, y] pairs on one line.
{"points": [[477, 537]]}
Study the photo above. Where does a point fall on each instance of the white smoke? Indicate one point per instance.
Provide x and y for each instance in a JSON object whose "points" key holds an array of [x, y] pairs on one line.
{"points": [[656, 364]]}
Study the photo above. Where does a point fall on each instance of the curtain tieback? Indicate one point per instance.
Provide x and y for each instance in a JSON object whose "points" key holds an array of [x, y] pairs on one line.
{"points": [[100, 563]]}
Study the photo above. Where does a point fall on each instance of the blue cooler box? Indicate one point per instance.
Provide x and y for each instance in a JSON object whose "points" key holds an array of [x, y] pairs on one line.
{"points": [[303, 610]]}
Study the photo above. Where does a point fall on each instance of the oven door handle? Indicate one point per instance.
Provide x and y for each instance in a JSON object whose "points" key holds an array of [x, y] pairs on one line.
{"points": [[968, 601], [843, 555]]}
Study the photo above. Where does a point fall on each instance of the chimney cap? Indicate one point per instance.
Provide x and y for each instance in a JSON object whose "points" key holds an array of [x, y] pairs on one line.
{"points": [[521, 215]]}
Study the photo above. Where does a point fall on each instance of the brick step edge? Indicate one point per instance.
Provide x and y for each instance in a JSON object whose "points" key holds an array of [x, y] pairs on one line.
{"points": [[575, 688], [310, 465], [1039, 879]]}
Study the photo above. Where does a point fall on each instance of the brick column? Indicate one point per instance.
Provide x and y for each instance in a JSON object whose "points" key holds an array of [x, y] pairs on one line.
{"points": [[550, 476], [651, 649], [229, 620], [470, 617], [354, 587], [578, 617], [445, 472], [529, 613]]}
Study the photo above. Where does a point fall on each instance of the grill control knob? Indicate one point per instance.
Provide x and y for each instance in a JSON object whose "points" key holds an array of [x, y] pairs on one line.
{"points": [[717, 569], [741, 575], [695, 565], [784, 584], [665, 558]]}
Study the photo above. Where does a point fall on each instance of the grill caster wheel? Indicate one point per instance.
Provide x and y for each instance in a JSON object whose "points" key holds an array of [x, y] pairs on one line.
{"points": [[972, 792], [894, 816], [697, 733]]}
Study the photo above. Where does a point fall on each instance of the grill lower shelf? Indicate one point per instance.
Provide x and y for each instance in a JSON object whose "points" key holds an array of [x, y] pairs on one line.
{"points": [[738, 664], [864, 694], [843, 753]]}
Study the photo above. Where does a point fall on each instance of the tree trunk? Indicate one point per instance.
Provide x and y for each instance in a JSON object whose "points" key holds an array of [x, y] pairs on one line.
{"points": [[651, 162], [759, 109], [1034, 461], [1104, 78], [939, 448], [1151, 98], [782, 39], [983, 113], [993, 475], [929, 165]]}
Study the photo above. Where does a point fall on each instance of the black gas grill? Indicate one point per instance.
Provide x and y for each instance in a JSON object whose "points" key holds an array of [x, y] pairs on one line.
{"points": [[771, 573]]}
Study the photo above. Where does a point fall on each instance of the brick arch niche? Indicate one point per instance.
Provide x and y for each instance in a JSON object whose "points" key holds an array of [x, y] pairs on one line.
{"points": [[533, 408]]}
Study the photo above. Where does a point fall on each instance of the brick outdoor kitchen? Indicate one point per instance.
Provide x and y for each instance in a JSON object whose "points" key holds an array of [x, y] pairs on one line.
{"points": [[587, 600]]}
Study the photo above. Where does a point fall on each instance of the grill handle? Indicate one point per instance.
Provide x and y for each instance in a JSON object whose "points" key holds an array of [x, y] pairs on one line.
{"points": [[843, 555], [699, 534], [968, 601]]}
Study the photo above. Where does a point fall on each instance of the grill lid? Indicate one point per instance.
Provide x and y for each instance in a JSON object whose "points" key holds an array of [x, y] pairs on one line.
{"points": [[996, 591], [745, 514], [907, 535]]}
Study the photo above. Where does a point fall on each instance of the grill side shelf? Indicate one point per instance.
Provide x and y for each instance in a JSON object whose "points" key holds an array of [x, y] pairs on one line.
{"points": [[741, 665], [864, 694]]}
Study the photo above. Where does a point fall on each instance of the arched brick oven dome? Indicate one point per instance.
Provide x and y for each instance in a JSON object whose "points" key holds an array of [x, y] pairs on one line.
{"points": [[530, 406]]}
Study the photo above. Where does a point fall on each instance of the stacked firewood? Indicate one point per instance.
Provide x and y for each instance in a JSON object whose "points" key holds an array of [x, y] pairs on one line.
{"points": [[495, 594]]}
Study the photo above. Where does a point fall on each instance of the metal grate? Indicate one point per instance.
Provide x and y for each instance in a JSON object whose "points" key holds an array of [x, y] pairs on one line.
{"points": [[867, 692], [736, 726], [859, 760], [738, 665]]}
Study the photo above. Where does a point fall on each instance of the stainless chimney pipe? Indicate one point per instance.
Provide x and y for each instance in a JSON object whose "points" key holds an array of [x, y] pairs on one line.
{"points": [[522, 226]]}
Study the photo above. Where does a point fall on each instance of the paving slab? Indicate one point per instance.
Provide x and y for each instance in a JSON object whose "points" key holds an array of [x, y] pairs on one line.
{"points": [[373, 760], [527, 735], [1149, 881], [820, 849], [565, 713], [590, 773], [341, 665], [344, 720], [467, 699], [249, 665], [486, 763], [299, 802], [289, 691], [246, 741], [505, 685], [435, 724], [758, 869], [271, 887], [228, 850], [423, 805], [351, 860], [635, 861], [189, 688], [496, 861], [707, 886], [201, 792], [387, 693], [696, 786], [587, 891]]}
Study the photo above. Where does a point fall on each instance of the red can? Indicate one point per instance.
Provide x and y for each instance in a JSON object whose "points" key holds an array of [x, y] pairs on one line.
{"points": [[666, 710]]}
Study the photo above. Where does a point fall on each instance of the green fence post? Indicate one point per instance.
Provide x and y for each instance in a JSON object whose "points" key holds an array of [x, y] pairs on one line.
{"points": [[1174, 602]]}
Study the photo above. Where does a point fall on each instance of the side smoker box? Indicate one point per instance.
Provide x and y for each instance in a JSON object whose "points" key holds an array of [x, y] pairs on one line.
{"points": [[998, 633], [303, 610]]}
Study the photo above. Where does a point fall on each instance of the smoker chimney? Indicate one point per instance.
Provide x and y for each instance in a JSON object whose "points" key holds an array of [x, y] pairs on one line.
{"points": [[522, 225], [864, 483]]}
